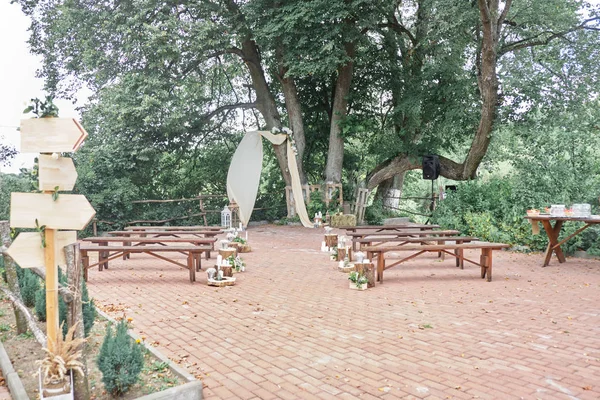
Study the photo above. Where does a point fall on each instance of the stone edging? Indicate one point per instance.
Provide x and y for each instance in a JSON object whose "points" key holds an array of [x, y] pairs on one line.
{"points": [[192, 390], [15, 386]]}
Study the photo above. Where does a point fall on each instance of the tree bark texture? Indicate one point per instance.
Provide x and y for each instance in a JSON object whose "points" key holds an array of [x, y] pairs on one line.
{"points": [[265, 101], [11, 276], [75, 314], [390, 191], [335, 153], [292, 104]]}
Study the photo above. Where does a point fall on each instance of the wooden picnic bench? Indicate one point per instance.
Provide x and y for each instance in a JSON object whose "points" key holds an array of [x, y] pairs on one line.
{"points": [[174, 228], [485, 261], [163, 234], [368, 239], [160, 241], [110, 252], [383, 228]]}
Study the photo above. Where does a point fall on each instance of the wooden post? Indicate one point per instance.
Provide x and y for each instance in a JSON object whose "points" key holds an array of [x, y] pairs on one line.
{"points": [[52, 328], [75, 314], [11, 276], [367, 270]]}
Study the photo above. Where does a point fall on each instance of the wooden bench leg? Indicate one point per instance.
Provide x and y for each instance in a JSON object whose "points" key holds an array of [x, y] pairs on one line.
{"points": [[380, 266], [486, 264], [191, 266], [86, 262]]}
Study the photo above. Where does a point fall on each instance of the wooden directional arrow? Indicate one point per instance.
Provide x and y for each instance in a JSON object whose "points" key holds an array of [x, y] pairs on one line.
{"points": [[56, 172], [27, 250], [49, 135], [69, 211]]}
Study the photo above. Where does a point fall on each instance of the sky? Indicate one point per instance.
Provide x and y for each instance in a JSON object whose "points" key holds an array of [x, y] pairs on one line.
{"points": [[18, 83]]}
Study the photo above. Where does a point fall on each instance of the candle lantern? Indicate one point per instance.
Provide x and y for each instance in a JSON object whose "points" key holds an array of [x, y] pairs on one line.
{"points": [[226, 217]]}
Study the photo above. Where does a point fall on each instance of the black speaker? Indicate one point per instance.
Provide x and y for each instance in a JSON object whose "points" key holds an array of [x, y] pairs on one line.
{"points": [[431, 167]]}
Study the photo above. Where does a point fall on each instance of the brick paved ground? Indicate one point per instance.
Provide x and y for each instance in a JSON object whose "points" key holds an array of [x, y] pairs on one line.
{"points": [[291, 327]]}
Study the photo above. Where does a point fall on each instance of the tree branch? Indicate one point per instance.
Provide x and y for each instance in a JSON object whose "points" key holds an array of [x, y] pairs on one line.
{"points": [[485, 9], [534, 41], [31, 324], [228, 107], [399, 28], [504, 13]]}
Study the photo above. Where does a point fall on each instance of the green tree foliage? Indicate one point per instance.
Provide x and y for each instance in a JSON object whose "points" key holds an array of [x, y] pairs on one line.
{"points": [[173, 84], [11, 183], [120, 360]]}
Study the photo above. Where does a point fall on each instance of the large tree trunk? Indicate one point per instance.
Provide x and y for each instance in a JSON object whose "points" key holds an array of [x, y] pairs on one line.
{"points": [[294, 109], [491, 23], [11, 276], [335, 154], [265, 101], [390, 191]]}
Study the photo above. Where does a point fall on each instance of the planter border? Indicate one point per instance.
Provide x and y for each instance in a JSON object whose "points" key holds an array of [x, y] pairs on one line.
{"points": [[191, 390]]}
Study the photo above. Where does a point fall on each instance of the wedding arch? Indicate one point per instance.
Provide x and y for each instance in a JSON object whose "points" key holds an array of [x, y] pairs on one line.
{"points": [[243, 176]]}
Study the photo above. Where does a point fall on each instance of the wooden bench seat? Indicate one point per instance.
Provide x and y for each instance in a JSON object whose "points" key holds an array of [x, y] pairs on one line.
{"points": [[357, 237], [144, 241], [485, 261], [110, 252]]}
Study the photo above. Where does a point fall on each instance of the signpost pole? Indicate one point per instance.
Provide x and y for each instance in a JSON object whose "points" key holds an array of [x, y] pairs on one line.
{"points": [[52, 328]]}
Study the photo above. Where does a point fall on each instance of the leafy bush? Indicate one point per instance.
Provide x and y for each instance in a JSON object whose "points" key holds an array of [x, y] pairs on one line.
{"points": [[29, 284], [120, 360], [89, 311], [494, 210]]}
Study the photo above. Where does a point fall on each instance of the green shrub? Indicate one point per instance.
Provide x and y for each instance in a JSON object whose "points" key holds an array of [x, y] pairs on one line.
{"points": [[89, 311], [29, 284], [120, 360], [40, 308], [40, 303]]}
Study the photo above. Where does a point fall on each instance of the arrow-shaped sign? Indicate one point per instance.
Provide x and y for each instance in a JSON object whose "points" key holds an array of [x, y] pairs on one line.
{"points": [[69, 211], [50, 135], [27, 250], [56, 172]]}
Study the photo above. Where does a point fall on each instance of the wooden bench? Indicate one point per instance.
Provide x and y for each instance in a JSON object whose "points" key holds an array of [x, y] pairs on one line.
{"points": [[174, 228], [128, 240], [485, 261], [107, 253], [368, 239]]}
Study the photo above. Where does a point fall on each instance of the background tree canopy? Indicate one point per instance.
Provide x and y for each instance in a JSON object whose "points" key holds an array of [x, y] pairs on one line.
{"points": [[368, 87]]}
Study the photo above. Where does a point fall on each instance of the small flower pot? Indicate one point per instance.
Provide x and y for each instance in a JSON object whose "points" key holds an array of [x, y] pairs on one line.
{"points": [[360, 287], [61, 391], [226, 281]]}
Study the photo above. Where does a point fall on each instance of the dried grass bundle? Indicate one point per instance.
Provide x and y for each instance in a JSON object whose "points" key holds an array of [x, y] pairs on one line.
{"points": [[66, 356]]}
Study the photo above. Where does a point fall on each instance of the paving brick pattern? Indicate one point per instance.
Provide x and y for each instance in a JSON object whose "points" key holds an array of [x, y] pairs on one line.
{"points": [[292, 329]]}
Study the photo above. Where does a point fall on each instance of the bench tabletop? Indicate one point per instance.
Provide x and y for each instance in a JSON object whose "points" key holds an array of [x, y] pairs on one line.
{"points": [[418, 239], [408, 225], [166, 233], [100, 239], [143, 249], [403, 233], [173, 228], [438, 247]]}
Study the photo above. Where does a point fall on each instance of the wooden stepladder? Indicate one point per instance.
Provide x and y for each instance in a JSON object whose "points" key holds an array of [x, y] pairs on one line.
{"points": [[50, 211]]}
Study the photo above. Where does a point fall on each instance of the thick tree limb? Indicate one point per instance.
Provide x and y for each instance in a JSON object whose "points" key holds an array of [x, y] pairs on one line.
{"points": [[539, 40], [31, 324], [504, 12]]}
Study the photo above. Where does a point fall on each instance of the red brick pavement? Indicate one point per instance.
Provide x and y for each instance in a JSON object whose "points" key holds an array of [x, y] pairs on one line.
{"points": [[291, 328]]}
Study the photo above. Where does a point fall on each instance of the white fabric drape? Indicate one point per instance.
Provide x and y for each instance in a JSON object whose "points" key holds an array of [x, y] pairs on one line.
{"points": [[243, 176]]}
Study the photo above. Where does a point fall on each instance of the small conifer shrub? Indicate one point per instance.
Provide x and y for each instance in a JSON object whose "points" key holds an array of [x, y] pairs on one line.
{"points": [[29, 284], [120, 360]]}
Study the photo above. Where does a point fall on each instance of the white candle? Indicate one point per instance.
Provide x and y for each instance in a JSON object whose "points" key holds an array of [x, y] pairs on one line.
{"points": [[341, 263], [240, 226], [219, 259]]}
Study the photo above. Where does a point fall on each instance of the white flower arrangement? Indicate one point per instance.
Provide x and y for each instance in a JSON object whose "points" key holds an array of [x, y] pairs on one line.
{"points": [[290, 135]]}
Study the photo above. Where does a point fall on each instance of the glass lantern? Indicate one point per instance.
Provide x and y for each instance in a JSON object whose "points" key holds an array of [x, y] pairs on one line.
{"points": [[226, 217]]}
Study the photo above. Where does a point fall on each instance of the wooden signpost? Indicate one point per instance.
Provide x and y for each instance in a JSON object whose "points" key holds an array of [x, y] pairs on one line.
{"points": [[50, 209]]}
